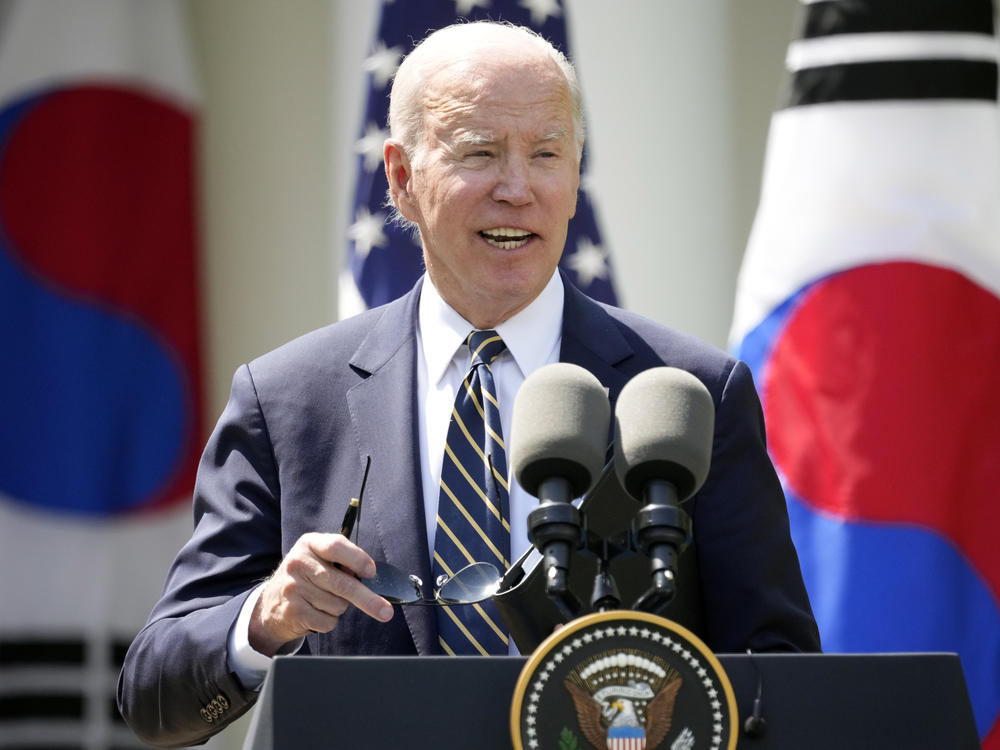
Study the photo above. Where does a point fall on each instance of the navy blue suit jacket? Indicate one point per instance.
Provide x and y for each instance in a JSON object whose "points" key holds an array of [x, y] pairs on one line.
{"points": [[289, 452]]}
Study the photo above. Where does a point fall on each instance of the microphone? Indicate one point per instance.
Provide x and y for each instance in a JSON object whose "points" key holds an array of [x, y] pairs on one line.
{"points": [[559, 432], [664, 424]]}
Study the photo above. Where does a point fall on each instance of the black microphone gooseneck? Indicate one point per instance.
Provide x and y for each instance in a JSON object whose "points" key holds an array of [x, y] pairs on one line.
{"points": [[554, 528], [558, 441], [663, 530], [755, 725], [664, 424]]}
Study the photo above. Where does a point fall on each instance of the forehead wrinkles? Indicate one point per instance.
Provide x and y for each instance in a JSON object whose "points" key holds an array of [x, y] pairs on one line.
{"points": [[446, 109], [469, 103]]}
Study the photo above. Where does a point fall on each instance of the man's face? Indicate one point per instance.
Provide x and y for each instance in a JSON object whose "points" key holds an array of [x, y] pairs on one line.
{"points": [[494, 184]]}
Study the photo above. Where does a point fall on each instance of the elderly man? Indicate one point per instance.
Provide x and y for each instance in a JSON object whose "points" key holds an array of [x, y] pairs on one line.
{"points": [[484, 160]]}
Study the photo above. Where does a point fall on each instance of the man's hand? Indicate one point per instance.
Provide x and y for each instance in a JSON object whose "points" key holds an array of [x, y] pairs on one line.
{"points": [[308, 592]]}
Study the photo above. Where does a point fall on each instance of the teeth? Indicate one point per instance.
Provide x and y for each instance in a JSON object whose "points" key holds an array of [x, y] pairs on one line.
{"points": [[507, 232], [506, 238]]}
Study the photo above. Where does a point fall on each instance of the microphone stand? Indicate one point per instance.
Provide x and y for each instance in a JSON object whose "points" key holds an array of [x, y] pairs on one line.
{"points": [[605, 594], [663, 530], [554, 527]]}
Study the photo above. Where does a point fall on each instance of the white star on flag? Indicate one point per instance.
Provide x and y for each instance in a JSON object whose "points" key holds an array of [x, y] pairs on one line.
{"points": [[541, 10], [588, 262], [383, 62], [370, 144], [464, 7], [366, 231]]}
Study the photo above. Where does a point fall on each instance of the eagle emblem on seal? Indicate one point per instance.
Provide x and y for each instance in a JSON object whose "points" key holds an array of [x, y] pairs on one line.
{"points": [[624, 701]]}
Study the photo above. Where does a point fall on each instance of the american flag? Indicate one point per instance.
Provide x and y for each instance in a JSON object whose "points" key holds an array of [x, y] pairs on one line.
{"points": [[385, 261], [626, 739]]}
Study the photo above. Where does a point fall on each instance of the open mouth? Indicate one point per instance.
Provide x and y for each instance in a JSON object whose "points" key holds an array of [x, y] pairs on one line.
{"points": [[506, 238]]}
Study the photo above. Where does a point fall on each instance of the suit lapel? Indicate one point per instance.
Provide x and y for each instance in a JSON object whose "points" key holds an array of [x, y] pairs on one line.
{"points": [[592, 340], [383, 409]]}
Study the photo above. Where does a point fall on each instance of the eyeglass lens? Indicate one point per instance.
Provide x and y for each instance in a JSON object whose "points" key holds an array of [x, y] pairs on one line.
{"points": [[471, 584]]}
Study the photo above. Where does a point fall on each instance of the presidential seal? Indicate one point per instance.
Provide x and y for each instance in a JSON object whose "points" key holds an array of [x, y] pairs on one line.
{"points": [[623, 680]]}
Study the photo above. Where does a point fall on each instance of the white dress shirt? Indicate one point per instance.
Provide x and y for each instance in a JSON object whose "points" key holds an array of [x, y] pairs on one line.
{"points": [[533, 338]]}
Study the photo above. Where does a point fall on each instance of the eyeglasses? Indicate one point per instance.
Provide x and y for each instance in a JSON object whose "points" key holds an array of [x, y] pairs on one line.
{"points": [[473, 583]]}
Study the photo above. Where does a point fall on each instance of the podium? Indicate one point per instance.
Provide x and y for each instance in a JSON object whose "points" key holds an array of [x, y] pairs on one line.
{"points": [[815, 701]]}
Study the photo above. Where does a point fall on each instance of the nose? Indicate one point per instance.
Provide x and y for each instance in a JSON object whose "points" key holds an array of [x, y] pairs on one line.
{"points": [[513, 183]]}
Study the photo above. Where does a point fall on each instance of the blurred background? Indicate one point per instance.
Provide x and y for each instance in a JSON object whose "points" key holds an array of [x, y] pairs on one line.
{"points": [[678, 96], [267, 100]]}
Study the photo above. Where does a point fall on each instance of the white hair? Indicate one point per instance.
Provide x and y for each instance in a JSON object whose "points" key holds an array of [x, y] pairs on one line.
{"points": [[435, 53], [438, 50]]}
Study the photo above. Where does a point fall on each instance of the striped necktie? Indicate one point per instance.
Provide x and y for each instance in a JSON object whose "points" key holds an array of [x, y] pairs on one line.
{"points": [[473, 508]]}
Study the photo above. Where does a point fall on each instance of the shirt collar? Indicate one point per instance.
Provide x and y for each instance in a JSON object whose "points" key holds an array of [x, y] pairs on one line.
{"points": [[530, 336]]}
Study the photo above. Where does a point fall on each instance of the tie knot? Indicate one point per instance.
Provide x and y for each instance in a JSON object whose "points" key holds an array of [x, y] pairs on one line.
{"points": [[485, 346]]}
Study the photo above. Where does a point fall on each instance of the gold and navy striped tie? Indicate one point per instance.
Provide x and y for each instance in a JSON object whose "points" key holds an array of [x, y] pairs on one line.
{"points": [[473, 510]]}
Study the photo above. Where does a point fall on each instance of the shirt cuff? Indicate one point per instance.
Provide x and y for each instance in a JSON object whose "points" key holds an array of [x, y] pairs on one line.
{"points": [[249, 665]]}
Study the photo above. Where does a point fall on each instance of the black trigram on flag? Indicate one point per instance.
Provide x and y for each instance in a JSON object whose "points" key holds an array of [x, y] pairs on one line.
{"points": [[58, 693]]}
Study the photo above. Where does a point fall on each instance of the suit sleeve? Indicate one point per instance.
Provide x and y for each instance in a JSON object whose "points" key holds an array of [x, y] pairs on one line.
{"points": [[176, 687], [752, 584]]}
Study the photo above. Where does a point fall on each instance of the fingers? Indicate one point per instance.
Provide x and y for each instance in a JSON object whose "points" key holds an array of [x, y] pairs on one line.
{"points": [[312, 587], [337, 549], [333, 550]]}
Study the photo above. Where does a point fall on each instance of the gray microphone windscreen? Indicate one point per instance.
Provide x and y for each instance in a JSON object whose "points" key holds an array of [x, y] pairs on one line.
{"points": [[559, 428], [664, 423]]}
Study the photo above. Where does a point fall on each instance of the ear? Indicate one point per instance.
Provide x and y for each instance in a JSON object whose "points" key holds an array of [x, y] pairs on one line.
{"points": [[576, 190], [398, 173]]}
